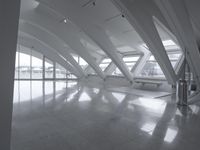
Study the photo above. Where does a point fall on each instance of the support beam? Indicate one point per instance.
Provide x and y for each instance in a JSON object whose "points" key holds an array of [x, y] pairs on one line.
{"points": [[141, 64], [177, 17], [144, 25], [67, 34], [48, 52], [9, 16], [99, 36], [110, 68], [51, 41], [96, 33], [88, 70]]}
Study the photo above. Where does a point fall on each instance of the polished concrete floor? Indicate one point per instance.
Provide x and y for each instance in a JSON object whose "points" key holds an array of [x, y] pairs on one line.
{"points": [[76, 116]]}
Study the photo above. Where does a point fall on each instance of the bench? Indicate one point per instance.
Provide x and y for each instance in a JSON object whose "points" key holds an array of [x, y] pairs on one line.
{"points": [[145, 81]]}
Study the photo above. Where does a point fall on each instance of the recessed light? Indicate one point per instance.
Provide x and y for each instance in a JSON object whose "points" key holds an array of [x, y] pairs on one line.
{"points": [[65, 20]]}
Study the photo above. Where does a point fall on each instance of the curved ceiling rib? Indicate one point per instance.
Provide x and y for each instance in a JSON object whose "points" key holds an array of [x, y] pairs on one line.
{"points": [[65, 33], [29, 41], [68, 9], [142, 21], [52, 41]]}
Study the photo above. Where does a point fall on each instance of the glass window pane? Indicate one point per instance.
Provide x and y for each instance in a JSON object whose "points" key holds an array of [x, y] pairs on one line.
{"points": [[71, 76], [130, 61], [105, 63], [130, 65], [107, 60], [152, 69], [82, 63], [131, 58], [173, 63], [60, 71], [168, 43], [174, 58], [117, 72], [152, 58], [17, 65], [103, 66], [24, 66], [75, 57], [48, 68], [37, 68]]}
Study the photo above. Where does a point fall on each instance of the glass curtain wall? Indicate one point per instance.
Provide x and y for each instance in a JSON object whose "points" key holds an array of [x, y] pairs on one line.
{"points": [[37, 65], [17, 65], [60, 72], [130, 61], [48, 69], [24, 66], [174, 57], [117, 72], [30, 64], [152, 69]]}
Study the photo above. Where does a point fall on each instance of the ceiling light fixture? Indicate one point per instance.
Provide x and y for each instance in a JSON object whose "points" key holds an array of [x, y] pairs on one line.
{"points": [[65, 20]]}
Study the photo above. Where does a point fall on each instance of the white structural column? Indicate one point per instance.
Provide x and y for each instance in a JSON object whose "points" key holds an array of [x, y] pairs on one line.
{"points": [[9, 16], [53, 42], [69, 57], [109, 70], [88, 70], [142, 21], [47, 51], [177, 16], [82, 19], [141, 63]]}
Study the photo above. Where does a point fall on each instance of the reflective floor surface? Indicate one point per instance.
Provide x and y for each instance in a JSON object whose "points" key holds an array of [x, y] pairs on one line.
{"points": [[75, 116]]}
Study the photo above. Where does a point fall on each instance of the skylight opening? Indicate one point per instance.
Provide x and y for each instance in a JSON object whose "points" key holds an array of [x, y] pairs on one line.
{"points": [[107, 60], [105, 63], [168, 43]]}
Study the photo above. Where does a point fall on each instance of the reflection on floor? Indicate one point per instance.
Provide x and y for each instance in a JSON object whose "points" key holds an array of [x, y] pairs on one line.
{"points": [[143, 93], [73, 116]]}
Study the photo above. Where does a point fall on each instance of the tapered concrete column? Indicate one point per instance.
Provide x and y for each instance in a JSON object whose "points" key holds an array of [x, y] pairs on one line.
{"points": [[143, 23], [9, 16], [178, 18]]}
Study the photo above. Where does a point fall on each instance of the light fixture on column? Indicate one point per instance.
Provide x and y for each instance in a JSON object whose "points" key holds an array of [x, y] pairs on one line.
{"points": [[64, 20]]}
